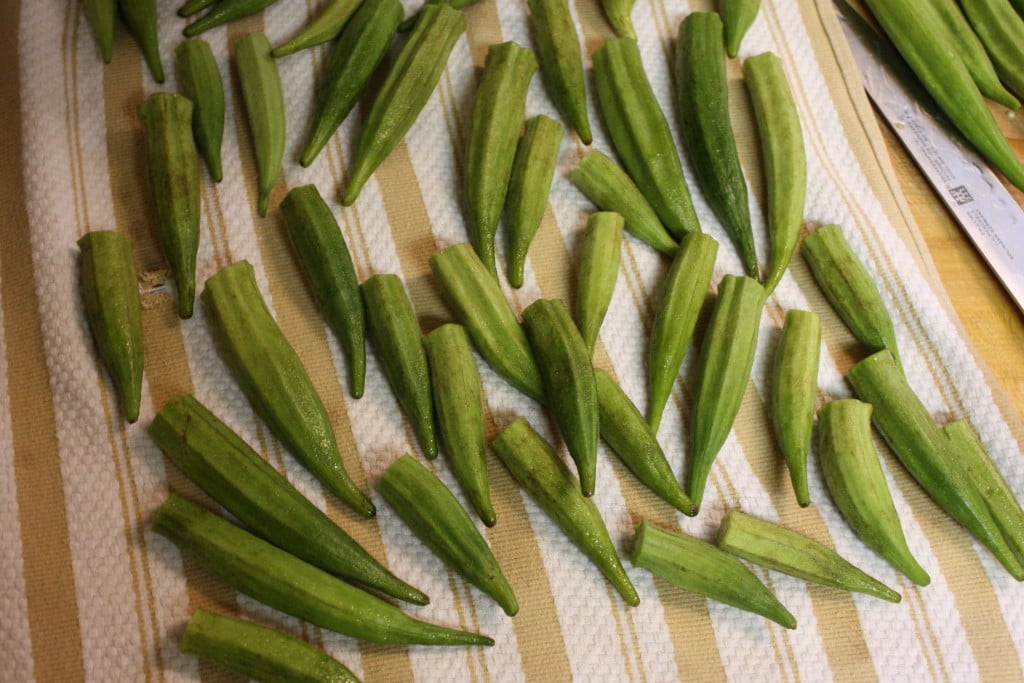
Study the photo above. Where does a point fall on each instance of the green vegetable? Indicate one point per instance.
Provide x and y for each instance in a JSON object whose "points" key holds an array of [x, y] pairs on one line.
{"points": [[1001, 30], [561, 62], [102, 15], [325, 27], [598, 270], [737, 18], [225, 11], [140, 18], [194, 6], [455, 4], [200, 82], [617, 12], [264, 103]]}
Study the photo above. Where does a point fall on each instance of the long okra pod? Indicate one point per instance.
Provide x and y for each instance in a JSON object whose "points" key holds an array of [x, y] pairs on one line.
{"points": [[102, 16], [225, 11], [191, 7], [323, 28], [617, 12], [561, 62], [737, 18], [201, 82], [264, 104], [274, 380], [140, 18], [598, 270], [407, 24], [1001, 30]]}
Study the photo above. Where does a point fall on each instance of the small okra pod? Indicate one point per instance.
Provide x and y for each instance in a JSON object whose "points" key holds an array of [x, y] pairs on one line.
{"points": [[794, 385], [535, 465], [528, 189], [323, 254], [273, 379], [702, 92], [396, 337], [405, 91], [194, 6], [723, 371], [849, 287], [1000, 29], [641, 134], [407, 24], [323, 28], [854, 477], [569, 389], [102, 16], [789, 552], [264, 104], [561, 62], [683, 295], [481, 307], [626, 432], [110, 295], [606, 184], [617, 12], [225, 11], [173, 165], [459, 403], [498, 111], [737, 18], [600, 254], [140, 18], [356, 55], [699, 567], [201, 82], [926, 452], [785, 163], [259, 652], [430, 510]]}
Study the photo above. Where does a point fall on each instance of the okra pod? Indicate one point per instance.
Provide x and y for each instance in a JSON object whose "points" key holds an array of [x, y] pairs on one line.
{"points": [[789, 552], [699, 567], [280, 580], [598, 270], [194, 6], [1000, 29], [264, 104], [854, 477], [225, 11], [427, 507], [561, 62], [321, 250], [737, 18], [273, 379], [624, 429], [323, 28], [605, 183], [702, 92], [407, 24], [200, 82], [140, 18], [535, 465], [110, 296], [528, 189], [641, 134], [102, 16], [617, 12], [173, 167], [498, 111], [405, 91]]}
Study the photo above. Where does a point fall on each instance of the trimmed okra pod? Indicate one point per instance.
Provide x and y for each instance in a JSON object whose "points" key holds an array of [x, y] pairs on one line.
{"points": [[226, 11], [428, 508], [737, 18], [102, 16], [323, 28], [600, 254], [264, 104], [140, 18], [1000, 29], [194, 6], [110, 295], [274, 380], [561, 62], [699, 567], [173, 165], [535, 465], [201, 82], [617, 12]]}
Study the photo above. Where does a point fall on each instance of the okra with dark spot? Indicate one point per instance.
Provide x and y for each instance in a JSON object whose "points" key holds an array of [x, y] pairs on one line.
{"points": [[598, 270], [201, 82], [264, 104], [561, 62]]}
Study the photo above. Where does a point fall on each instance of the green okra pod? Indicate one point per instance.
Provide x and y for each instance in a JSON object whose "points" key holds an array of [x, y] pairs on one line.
{"points": [[224, 12], [428, 508], [723, 371], [789, 552], [498, 111], [456, 4], [280, 580], [140, 18], [641, 134], [624, 429], [274, 380], [793, 388], [854, 477], [535, 465], [785, 162], [264, 104], [528, 189], [598, 270], [926, 452], [459, 403], [194, 6], [1000, 29], [569, 389], [102, 16], [683, 295], [110, 295], [702, 92], [561, 62], [396, 337], [173, 167], [247, 486], [323, 28], [617, 12], [481, 307], [699, 567], [201, 82], [323, 254], [259, 652], [356, 55], [405, 91], [606, 184], [737, 18]]}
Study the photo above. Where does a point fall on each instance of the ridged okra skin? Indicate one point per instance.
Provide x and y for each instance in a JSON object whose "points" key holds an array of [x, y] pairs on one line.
{"points": [[854, 477], [538, 469], [264, 106], [436, 517], [272, 377], [102, 16], [110, 295], [737, 18], [498, 112], [140, 16], [561, 62], [280, 580], [224, 12], [618, 12], [405, 91], [201, 82], [1000, 29], [326, 26], [407, 25], [193, 7], [641, 134], [259, 652], [600, 254], [173, 167]]}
